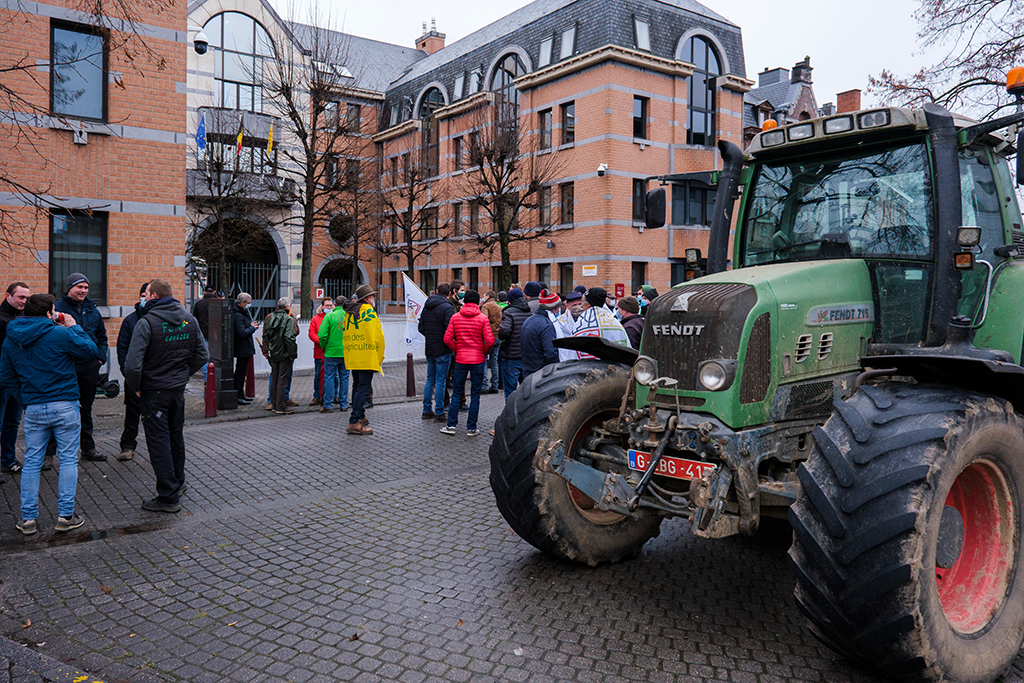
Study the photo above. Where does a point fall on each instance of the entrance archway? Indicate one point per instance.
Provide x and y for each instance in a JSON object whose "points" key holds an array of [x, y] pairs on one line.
{"points": [[240, 256]]}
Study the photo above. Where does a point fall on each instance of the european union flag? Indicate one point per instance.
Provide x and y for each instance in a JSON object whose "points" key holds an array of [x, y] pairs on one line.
{"points": [[201, 134]]}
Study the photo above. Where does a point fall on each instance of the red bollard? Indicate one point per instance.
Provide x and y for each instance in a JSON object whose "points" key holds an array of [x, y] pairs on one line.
{"points": [[211, 390], [410, 376], [250, 379]]}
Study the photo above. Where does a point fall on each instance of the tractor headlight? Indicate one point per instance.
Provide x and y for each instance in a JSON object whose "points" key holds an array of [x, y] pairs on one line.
{"points": [[716, 375], [645, 370]]}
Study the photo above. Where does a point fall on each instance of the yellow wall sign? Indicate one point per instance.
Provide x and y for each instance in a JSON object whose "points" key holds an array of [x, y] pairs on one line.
{"points": [[589, 271]]}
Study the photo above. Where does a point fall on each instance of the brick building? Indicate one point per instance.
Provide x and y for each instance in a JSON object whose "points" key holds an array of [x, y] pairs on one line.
{"points": [[92, 134], [639, 87]]}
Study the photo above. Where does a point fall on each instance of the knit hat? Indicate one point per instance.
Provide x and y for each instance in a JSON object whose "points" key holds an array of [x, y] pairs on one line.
{"points": [[650, 293], [549, 301], [574, 296], [532, 289], [74, 279], [362, 292], [514, 295], [596, 296], [629, 304]]}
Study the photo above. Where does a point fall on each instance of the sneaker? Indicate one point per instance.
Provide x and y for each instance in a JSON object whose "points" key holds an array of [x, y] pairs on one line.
{"points": [[27, 526], [270, 406], [291, 402], [126, 454], [440, 417], [69, 523], [315, 402], [286, 411], [472, 432], [447, 430], [93, 456], [425, 416], [344, 409], [182, 489], [326, 410], [156, 505], [13, 469]]}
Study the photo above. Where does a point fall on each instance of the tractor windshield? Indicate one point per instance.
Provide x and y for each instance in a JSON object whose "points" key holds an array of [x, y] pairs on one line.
{"points": [[865, 204]]}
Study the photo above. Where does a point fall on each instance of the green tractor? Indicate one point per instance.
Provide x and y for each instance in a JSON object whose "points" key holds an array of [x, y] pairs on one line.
{"points": [[858, 371]]}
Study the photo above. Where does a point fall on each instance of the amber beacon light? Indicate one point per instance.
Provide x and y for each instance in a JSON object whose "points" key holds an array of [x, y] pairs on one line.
{"points": [[1015, 81]]}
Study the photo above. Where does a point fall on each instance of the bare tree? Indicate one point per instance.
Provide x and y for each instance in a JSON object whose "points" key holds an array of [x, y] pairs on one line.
{"points": [[411, 208], [510, 181], [982, 39], [355, 199], [25, 84]]}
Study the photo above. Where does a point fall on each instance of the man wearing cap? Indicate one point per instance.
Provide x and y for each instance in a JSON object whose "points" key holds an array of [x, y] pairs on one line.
{"points": [[632, 321], [573, 310], [595, 321], [646, 295], [539, 334], [364, 352], [510, 333], [77, 303]]}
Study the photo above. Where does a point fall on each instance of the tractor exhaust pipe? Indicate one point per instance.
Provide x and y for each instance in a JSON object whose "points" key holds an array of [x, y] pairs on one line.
{"points": [[725, 201]]}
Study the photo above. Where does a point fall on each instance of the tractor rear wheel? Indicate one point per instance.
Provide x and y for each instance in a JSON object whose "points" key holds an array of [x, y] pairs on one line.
{"points": [[562, 401], [906, 544]]}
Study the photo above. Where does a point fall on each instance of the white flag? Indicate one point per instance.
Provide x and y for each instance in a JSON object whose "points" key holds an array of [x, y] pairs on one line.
{"points": [[415, 299]]}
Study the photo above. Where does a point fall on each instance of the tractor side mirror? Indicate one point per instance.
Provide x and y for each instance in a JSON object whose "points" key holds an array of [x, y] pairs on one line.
{"points": [[654, 208], [1020, 151]]}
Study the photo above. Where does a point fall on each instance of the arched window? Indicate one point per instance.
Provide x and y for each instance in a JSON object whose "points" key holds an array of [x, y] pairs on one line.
{"points": [[700, 117], [239, 46], [509, 68], [432, 100]]}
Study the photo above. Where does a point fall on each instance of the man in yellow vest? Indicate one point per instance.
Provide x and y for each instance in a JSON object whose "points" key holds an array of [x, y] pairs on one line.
{"points": [[364, 352]]}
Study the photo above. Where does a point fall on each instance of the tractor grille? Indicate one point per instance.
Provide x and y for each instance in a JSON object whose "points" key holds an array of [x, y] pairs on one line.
{"points": [[809, 399], [757, 364], [671, 337]]}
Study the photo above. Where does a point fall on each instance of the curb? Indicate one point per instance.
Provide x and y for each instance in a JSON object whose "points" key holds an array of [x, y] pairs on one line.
{"points": [[46, 667]]}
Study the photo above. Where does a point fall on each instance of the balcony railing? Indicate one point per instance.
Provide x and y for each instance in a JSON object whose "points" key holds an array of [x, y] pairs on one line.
{"points": [[223, 123], [227, 186]]}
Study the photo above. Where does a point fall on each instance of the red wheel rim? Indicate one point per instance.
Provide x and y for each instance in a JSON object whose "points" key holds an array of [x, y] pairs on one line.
{"points": [[973, 587], [584, 503]]}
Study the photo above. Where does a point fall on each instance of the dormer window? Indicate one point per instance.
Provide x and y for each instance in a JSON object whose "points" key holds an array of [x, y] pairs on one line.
{"points": [[568, 42], [545, 51], [641, 34]]}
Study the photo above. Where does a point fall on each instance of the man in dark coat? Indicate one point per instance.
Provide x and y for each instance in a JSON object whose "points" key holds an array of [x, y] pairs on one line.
{"points": [[510, 333], [76, 301], [13, 306], [437, 313], [539, 334], [130, 434], [166, 348], [632, 321], [245, 349]]}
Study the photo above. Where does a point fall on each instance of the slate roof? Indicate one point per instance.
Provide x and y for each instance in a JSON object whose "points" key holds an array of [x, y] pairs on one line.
{"points": [[783, 96]]}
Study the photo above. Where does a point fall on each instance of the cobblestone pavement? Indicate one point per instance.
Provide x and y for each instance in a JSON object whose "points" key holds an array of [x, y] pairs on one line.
{"points": [[304, 554]]}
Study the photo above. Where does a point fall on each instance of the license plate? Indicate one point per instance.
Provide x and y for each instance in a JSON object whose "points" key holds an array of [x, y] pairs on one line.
{"points": [[677, 468]]}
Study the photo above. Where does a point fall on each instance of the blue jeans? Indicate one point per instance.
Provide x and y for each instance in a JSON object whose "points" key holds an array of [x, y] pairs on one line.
{"points": [[437, 375], [318, 368], [511, 373], [10, 418], [476, 379], [61, 420], [492, 364], [335, 382]]}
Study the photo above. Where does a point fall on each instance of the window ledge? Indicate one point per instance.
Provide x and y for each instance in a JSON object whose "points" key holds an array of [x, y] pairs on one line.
{"points": [[565, 145]]}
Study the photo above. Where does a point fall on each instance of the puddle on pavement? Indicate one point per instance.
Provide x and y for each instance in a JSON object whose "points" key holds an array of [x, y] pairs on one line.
{"points": [[37, 543]]}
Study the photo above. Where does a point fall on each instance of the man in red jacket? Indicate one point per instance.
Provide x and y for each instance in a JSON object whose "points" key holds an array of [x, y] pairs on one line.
{"points": [[469, 336]]}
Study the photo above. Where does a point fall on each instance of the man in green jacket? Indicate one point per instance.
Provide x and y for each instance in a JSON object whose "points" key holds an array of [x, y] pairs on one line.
{"points": [[280, 333], [331, 332]]}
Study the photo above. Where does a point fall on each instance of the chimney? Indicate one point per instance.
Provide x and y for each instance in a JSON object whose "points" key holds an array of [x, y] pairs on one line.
{"points": [[431, 41], [769, 76], [848, 101], [802, 71]]}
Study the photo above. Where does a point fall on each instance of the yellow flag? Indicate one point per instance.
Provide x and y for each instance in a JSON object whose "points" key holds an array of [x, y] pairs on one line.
{"points": [[270, 139]]}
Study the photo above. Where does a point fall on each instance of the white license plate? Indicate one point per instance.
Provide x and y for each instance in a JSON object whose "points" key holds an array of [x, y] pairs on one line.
{"points": [[668, 466]]}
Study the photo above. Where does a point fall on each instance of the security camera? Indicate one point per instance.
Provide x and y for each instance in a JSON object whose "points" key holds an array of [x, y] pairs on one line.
{"points": [[601, 169], [201, 43]]}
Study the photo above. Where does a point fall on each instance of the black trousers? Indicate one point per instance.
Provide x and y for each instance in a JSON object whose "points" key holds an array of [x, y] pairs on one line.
{"points": [[130, 435], [87, 381], [163, 419], [241, 370]]}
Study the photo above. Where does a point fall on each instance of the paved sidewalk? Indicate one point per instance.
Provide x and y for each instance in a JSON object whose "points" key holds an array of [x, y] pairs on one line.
{"points": [[304, 554]]}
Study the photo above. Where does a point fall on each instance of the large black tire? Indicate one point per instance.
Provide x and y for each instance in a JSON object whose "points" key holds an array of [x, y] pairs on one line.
{"points": [[906, 543], [562, 401]]}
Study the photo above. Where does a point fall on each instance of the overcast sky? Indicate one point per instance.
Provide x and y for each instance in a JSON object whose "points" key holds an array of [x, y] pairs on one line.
{"points": [[846, 41]]}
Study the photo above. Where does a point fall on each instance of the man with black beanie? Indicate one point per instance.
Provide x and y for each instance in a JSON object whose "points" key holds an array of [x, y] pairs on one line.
{"points": [[76, 302]]}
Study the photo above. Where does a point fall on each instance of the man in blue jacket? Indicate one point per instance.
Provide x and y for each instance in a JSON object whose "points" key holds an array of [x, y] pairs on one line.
{"points": [[130, 434], [539, 334], [37, 364], [77, 303]]}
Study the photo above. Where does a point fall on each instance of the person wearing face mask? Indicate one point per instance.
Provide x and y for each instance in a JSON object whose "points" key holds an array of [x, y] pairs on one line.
{"points": [[458, 294], [646, 296], [364, 352], [130, 433], [567, 320], [326, 306], [629, 315]]}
